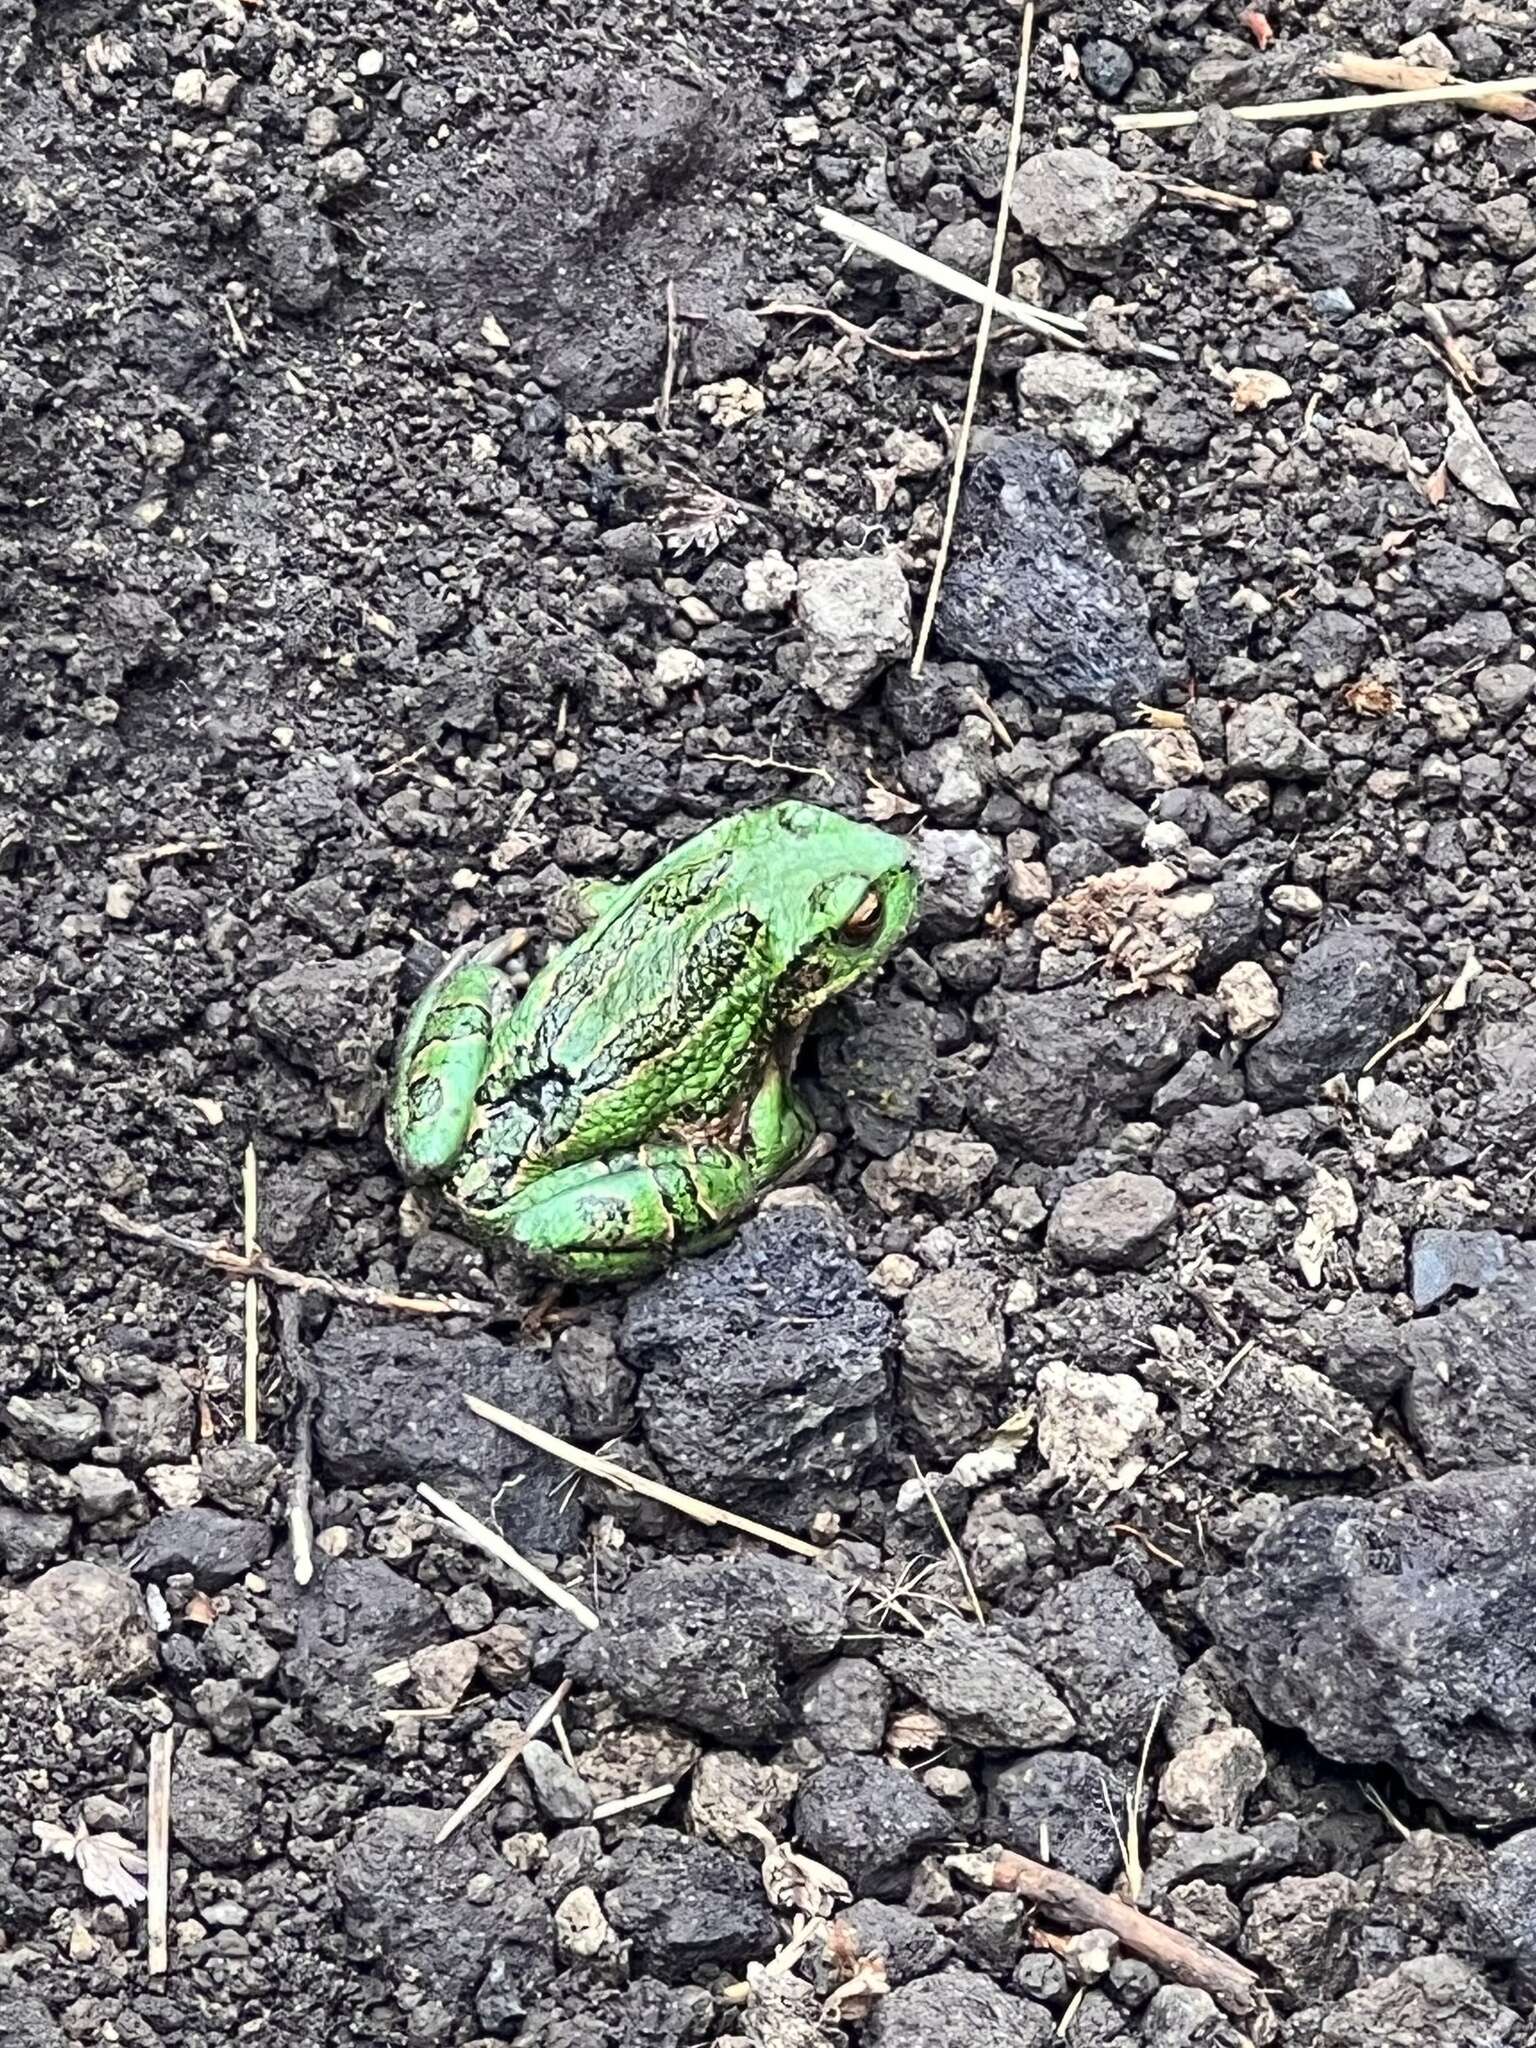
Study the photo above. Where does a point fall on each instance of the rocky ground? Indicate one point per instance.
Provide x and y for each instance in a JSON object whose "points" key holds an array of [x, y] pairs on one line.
{"points": [[368, 576]]}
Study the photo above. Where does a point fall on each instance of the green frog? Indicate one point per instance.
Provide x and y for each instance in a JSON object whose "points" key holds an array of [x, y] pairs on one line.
{"points": [[639, 1099]]}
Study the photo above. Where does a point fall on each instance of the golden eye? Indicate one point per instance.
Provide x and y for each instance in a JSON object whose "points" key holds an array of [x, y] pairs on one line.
{"points": [[859, 929]]}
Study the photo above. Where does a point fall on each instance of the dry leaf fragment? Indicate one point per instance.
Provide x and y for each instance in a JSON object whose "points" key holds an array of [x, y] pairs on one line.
{"points": [[1331, 1207], [109, 1864], [1471, 461], [1257, 390], [855, 1998], [793, 1880], [881, 805]]}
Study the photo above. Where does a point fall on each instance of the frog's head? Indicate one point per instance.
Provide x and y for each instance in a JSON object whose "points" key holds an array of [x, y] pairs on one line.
{"points": [[837, 897]]}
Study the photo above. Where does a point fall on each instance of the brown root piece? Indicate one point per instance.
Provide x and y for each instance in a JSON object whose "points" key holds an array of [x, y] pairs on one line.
{"points": [[1182, 1957], [259, 1267]]}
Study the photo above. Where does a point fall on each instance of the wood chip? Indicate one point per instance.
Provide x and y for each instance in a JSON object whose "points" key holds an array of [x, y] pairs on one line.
{"points": [[158, 1849]]}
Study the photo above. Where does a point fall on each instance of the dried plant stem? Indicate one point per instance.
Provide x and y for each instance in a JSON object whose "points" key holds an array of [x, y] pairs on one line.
{"points": [[259, 1267], [791, 309], [1061, 328], [494, 1544], [983, 335], [1349, 103], [652, 1796], [612, 1474], [954, 1549], [669, 373], [157, 1849], [252, 1299], [473, 1800], [1183, 1957]]}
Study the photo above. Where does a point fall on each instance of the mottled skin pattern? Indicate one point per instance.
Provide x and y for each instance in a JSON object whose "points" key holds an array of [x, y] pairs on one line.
{"points": [[638, 1099]]}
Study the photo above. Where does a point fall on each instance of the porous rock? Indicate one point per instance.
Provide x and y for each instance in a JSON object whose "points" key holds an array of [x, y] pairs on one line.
{"points": [[714, 1645], [1401, 1630], [1032, 591], [78, 1624], [392, 1409], [1470, 1399], [981, 1685], [869, 1821], [686, 1904], [1104, 1654], [763, 1374], [1344, 999], [957, 2008]]}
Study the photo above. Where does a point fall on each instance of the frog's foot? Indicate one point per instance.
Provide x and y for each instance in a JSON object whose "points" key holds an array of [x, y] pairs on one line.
{"points": [[441, 1061], [498, 951]]}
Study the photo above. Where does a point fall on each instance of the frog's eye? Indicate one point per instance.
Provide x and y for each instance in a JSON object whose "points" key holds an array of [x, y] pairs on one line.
{"points": [[859, 929]]}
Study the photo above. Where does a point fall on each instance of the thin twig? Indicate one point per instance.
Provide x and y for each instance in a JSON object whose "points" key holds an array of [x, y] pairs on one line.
{"points": [[1199, 195], [301, 1523], [252, 1297], [771, 761], [1062, 328], [792, 310], [1183, 1957], [612, 1474], [157, 1849], [494, 1544], [473, 1800], [983, 335], [954, 1549], [1349, 103], [653, 1796], [260, 1267], [669, 373]]}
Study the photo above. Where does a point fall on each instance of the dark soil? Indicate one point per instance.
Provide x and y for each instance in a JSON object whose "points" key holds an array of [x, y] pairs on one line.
{"points": [[359, 592]]}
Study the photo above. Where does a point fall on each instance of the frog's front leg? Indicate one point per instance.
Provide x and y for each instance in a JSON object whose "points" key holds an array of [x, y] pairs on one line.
{"points": [[615, 1219], [441, 1059]]}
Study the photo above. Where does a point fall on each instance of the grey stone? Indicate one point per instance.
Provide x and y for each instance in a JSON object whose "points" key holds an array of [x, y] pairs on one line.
{"points": [[213, 1550], [962, 877], [952, 1356], [391, 1409], [686, 1905], [1510, 431], [1340, 241], [356, 1616], [215, 1810], [410, 1906], [1066, 1059], [843, 1707], [1445, 1262], [1033, 592], [1207, 1783], [1401, 1630], [1263, 738], [1105, 1655], [1430, 2002], [714, 1645], [78, 1624], [1114, 1222], [560, 1791], [980, 1684], [1510, 1903], [857, 619], [57, 1427], [762, 1369], [958, 2008], [1096, 408], [1343, 999], [298, 254], [1079, 205], [1061, 1806], [869, 1822], [334, 1019], [1300, 1928], [25, 2022], [1470, 1399], [908, 1945]]}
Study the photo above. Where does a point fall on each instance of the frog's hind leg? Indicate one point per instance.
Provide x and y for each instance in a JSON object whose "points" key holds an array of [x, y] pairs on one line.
{"points": [[441, 1060], [621, 1218], [614, 1220]]}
